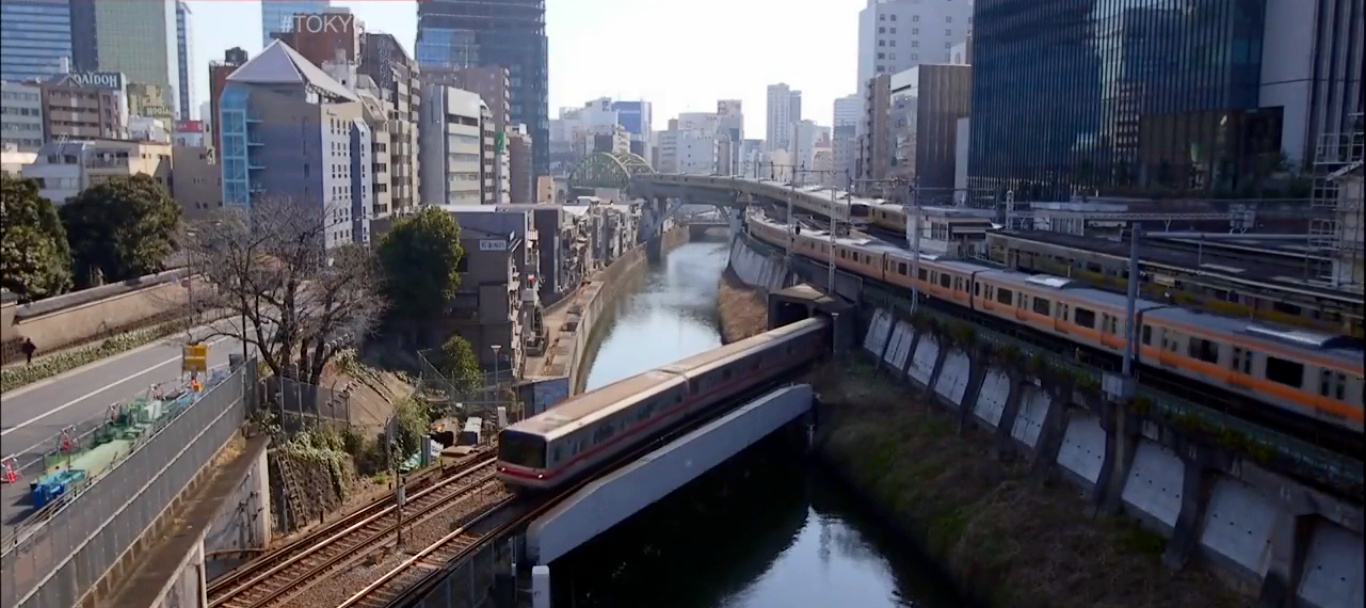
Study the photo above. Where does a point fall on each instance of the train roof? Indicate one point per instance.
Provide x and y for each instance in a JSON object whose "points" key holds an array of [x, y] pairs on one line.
{"points": [[724, 353], [579, 410]]}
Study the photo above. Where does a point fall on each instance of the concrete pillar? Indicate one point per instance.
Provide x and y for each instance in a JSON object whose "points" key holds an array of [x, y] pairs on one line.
{"points": [[910, 354], [1005, 444], [1121, 442], [938, 366], [976, 374], [1196, 485], [1051, 435], [540, 587], [1289, 544]]}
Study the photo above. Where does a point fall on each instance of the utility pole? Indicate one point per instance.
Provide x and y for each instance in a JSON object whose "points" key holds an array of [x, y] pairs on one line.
{"points": [[915, 243], [1131, 304]]}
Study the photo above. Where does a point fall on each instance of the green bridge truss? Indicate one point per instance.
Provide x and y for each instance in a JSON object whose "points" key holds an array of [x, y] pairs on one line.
{"points": [[604, 170]]}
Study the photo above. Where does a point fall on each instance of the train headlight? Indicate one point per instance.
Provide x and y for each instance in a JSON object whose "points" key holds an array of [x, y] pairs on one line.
{"points": [[540, 476]]}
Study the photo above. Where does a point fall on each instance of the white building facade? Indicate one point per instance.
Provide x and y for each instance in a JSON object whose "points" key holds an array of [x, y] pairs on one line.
{"points": [[784, 110], [21, 115], [452, 145], [897, 35]]}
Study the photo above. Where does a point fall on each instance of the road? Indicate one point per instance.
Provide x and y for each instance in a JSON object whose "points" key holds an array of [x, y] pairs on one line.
{"points": [[32, 416]]}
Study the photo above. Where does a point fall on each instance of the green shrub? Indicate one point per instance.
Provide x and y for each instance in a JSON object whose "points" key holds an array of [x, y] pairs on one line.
{"points": [[64, 361]]}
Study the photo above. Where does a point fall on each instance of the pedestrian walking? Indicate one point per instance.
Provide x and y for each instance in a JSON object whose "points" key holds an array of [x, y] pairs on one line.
{"points": [[29, 348]]}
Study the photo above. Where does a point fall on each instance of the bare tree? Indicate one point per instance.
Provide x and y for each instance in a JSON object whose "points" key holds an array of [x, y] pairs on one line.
{"points": [[301, 301]]}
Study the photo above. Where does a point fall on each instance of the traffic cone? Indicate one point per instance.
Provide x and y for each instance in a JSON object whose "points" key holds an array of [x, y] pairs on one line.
{"points": [[10, 475]]}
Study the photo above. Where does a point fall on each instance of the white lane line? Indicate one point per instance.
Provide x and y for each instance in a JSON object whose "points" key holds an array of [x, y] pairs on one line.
{"points": [[97, 391]]}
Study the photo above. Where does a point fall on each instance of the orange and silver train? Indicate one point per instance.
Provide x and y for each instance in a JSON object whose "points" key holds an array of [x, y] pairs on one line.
{"points": [[595, 428], [1313, 375]]}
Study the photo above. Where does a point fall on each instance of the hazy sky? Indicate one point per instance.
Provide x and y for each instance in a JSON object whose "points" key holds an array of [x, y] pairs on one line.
{"points": [[680, 55]]}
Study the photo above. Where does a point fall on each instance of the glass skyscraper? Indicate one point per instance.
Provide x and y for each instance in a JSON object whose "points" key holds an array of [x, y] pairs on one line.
{"points": [[508, 33], [185, 50], [35, 36], [1118, 95], [136, 37], [276, 15]]}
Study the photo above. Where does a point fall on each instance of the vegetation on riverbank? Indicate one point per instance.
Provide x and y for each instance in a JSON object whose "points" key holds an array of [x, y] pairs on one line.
{"points": [[1005, 538], [742, 311]]}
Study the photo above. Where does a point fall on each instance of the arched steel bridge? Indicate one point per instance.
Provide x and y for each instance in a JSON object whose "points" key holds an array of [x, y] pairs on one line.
{"points": [[606, 170]]}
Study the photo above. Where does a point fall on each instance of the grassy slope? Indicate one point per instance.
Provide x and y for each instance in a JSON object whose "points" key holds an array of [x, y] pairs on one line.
{"points": [[1007, 538]]}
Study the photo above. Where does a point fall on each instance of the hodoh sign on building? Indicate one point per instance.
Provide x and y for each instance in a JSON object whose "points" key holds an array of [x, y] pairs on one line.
{"points": [[99, 80]]}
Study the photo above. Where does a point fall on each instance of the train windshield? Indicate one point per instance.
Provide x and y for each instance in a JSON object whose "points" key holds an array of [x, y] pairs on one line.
{"points": [[858, 210], [521, 449]]}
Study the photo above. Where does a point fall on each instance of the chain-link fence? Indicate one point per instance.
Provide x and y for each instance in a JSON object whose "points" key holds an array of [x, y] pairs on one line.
{"points": [[299, 405], [57, 560], [496, 389]]}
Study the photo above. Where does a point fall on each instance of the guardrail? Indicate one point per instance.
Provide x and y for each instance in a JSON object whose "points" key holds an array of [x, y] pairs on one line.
{"points": [[59, 562]]}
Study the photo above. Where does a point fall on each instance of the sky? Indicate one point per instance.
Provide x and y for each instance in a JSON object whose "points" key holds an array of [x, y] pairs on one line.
{"points": [[681, 56]]}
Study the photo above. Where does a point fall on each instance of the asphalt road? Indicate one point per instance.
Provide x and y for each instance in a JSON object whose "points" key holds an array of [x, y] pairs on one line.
{"points": [[32, 416]]}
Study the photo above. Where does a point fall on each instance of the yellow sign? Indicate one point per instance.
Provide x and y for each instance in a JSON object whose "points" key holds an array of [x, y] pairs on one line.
{"points": [[196, 358]]}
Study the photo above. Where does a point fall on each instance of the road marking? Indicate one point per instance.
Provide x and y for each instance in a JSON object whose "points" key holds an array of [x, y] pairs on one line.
{"points": [[97, 391]]}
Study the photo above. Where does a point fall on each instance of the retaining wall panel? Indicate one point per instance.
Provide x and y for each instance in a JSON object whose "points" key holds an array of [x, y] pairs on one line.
{"points": [[1155, 482], [1333, 568], [1034, 404], [953, 377], [992, 398], [1238, 525], [1083, 447], [922, 362]]}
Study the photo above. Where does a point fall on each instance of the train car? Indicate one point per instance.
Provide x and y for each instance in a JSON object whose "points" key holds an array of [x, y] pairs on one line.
{"points": [[1315, 376], [560, 445]]}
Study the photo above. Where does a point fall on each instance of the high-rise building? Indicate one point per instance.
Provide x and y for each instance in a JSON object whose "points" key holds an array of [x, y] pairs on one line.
{"points": [[638, 119], [1139, 100], [848, 109], [927, 101], [389, 66], [21, 107], [184, 20], [896, 35], [457, 165], [277, 16], [1311, 67], [874, 146], [510, 33], [291, 132], [784, 112], [35, 39], [730, 134], [491, 83], [519, 166], [136, 37]]}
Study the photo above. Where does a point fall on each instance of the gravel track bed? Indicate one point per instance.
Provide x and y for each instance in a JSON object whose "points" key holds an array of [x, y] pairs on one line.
{"points": [[340, 586]]}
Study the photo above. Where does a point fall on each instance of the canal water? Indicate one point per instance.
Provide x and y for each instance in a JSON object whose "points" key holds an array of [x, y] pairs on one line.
{"points": [[766, 530]]}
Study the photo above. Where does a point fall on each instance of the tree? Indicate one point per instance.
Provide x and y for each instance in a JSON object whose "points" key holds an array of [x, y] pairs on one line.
{"points": [[460, 365], [35, 260], [420, 256], [301, 302], [121, 229]]}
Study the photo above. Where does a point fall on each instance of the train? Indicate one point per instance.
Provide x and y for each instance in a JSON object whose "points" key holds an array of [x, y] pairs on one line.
{"points": [[570, 440], [814, 200], [1313, 376]]}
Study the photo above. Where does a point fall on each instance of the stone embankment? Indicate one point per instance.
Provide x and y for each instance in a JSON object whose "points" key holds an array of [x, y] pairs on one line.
{"points": [[742, 311]]}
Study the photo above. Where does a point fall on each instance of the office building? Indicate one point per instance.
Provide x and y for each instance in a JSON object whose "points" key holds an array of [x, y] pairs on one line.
{"points": [[277, 16], [292, 133], [85, 106], [198, 183], [185, 53], [148, 100], [21, 115], [456, 143], [219, 71], [389, 66], [926, 103], [638, 119], [491, 83], [511, 33], [730, 118], [848, 110], [896, 35], [874, 145], [65, 168], [784, 112], [1311, 68], [379, 111], [136, 37], [190, 134], [35, 39], [520, 173], [1137, 101]]}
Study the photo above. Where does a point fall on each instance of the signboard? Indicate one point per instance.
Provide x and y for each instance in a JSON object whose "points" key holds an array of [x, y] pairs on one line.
{"points": [[154, 111], [99, 80], [189, 126], [196, 358], [492, 245], [498, 142]]}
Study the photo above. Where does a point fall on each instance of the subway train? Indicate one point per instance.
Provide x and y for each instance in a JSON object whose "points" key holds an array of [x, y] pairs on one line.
{"points": [[1315, 376], [553, 448]]}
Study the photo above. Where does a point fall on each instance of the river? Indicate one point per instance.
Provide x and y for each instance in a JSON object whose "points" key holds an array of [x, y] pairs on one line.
{"points": [[766, 530]]}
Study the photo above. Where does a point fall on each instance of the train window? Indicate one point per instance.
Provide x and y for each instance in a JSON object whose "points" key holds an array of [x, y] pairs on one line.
{"points": [[901, 269], [1284, 372], [1111, 325], [977, 289], [943, 280], [1084, 318], [1202, 349], [1042, 305], [1333, 384], [521, 449], [1148, 335], [1242, 360], [1004, 296]]}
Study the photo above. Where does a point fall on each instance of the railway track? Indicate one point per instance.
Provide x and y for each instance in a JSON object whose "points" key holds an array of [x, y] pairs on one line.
{"points": [[281, 575], [397, 584]]}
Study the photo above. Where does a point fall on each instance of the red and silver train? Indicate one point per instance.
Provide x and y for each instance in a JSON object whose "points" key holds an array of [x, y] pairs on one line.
{"points": [[1316, 376], [590, 430]]}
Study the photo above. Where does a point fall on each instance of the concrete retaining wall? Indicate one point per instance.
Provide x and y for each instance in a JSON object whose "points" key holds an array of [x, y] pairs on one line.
{"points": [[755, 269], [242, 526], [1261, 532], [80, 317]]}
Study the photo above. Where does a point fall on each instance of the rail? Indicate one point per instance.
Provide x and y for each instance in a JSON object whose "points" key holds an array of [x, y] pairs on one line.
{"points": [[278, 580]]}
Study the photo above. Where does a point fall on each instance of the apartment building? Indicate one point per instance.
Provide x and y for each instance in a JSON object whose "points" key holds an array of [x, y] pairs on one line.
{"points": [[64, 168], [85, 105]]}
